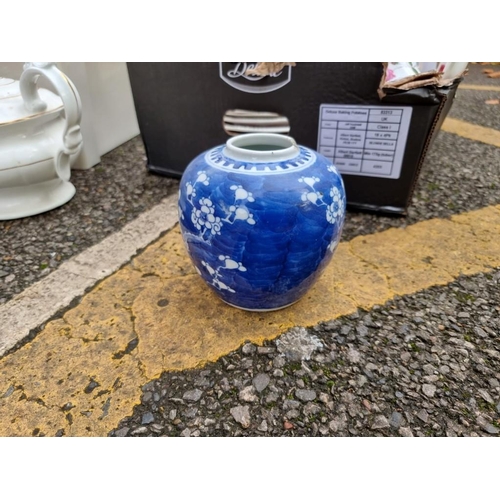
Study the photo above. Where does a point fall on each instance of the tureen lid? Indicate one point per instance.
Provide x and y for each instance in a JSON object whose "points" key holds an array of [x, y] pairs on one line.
{"points": [[12, 107]]}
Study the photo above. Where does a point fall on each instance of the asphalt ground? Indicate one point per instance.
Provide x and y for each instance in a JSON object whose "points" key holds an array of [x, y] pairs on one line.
{"points": [[399, 338]]}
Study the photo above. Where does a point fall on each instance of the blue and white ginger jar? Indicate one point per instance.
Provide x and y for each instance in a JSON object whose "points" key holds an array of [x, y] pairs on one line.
{"points": [[261, 217]]}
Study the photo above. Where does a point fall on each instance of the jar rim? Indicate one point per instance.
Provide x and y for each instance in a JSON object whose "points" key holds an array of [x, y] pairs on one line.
{"points": [[261, 147]]}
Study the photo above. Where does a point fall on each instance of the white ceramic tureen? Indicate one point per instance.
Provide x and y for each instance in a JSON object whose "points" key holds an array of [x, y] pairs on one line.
{"points": [[39, 139]]}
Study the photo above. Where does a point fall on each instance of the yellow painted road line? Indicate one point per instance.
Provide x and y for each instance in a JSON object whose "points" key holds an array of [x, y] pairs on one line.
{"points": [[84, 372], [471, 131], [43, 299], [468, 86]]}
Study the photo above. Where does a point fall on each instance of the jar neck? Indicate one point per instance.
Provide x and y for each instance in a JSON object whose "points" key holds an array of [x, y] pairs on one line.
{"points": [[261, 148]]}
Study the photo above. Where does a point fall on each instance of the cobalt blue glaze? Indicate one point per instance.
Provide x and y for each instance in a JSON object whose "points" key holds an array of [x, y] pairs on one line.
{"points": [[261, 231]]}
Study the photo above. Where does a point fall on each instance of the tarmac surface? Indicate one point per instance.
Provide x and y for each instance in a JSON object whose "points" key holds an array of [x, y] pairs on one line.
{"points": [[108, 331]]}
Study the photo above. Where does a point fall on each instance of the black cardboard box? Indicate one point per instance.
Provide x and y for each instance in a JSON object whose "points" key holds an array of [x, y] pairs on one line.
{"points": [[378, 145]]}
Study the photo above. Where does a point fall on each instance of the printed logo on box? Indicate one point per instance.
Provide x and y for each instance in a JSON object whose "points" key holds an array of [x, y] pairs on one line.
{"points": [[235, 74]]}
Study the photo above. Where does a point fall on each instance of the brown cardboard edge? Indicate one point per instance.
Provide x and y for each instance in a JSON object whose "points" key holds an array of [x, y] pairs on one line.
{"points": [[414, 84], [380, 91], [418, 80], [426, 79]]}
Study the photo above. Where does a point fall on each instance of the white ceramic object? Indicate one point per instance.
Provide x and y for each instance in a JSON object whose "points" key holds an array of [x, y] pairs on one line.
{"points": [[452, 70], [39, 138], [109, 118]]}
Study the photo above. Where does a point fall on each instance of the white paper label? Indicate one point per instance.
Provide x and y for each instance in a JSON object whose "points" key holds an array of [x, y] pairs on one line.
{"points": [[364, 140]]}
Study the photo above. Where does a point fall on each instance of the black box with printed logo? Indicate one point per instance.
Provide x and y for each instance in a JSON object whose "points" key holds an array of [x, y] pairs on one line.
{"points": [[378, 145]]}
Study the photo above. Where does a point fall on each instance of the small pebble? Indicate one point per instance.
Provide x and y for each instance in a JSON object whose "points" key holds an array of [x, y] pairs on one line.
{"points": [[261, 381], [147, 418], [423, 415], [305, 395], [140, 431], [247, 394], [193, 395], [380, 422], [263, 426], [405, 432], [429, 390], [248, 349], [396, 420], [491, 429], [242, 415]]}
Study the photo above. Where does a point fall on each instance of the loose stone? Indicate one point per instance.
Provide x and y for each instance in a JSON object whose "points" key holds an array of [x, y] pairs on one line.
{"points": [[423, 415], [242, 415], [147, 418], [261, 381], [140, 430], [248, 349], [429, 390], [305, 394], [380, 422], [263, 426], [396, 420], [405, 432], [193, 395], [247, 394]]}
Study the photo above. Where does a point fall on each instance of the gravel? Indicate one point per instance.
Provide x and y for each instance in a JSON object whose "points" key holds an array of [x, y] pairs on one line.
{"points": [[438, 376]]}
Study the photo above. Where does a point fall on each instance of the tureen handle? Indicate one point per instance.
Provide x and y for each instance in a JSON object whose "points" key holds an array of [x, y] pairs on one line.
{"points": [[72, 136]]}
